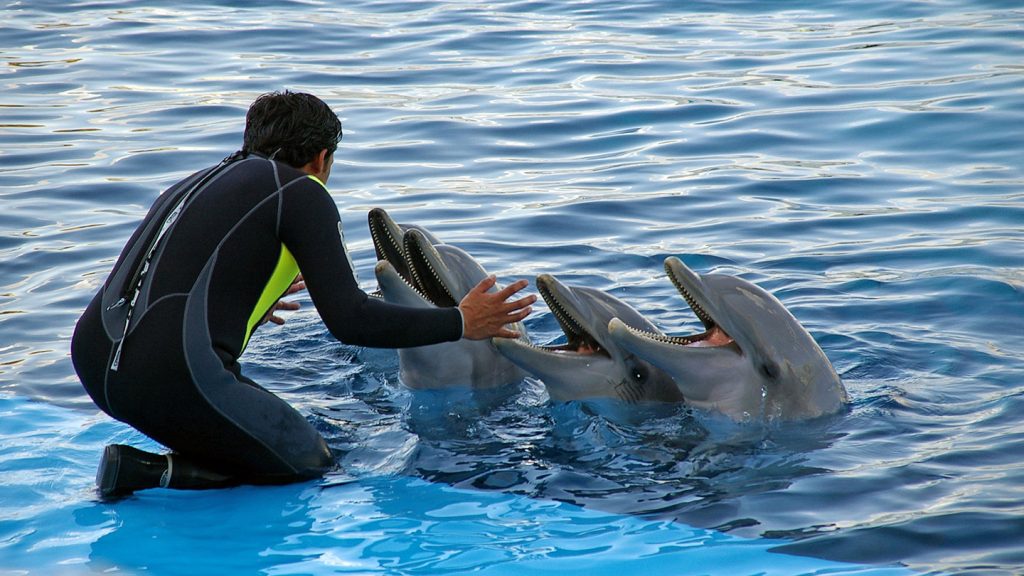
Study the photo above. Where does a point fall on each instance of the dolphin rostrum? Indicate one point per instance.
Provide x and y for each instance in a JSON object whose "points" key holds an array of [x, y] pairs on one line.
{"points": [[590, 365], [388, 240], [441, 275], [754, 361]]}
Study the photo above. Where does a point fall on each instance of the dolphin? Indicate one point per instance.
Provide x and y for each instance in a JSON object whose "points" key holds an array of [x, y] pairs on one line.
{"points": [[440, 275], [591, 365], [754, 361]]}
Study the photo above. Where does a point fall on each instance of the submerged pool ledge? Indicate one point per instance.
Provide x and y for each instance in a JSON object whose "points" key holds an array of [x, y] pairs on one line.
{"points": [[52, 522]]}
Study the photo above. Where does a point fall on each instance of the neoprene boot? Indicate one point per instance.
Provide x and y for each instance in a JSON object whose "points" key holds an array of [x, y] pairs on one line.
{"points": [[183, 474], [125, 469]]}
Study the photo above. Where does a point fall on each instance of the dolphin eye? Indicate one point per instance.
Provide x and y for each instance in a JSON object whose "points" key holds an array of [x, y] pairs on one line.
{"points": [[640, 373], [770, 370]]}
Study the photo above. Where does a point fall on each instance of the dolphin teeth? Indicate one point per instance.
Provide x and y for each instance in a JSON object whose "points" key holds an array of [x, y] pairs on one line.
{"points": [[414, 271], [678, 340], [569, 326], [702, 314], [418, 277], [437, 278], [413, 287], [577, 337], [564, 318], [378, 242]]}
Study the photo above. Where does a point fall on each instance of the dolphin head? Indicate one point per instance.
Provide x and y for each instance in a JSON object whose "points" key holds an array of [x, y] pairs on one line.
{"points": [[443, 273], [753, 360], [388, 240], [589, 364], [440, 275]]}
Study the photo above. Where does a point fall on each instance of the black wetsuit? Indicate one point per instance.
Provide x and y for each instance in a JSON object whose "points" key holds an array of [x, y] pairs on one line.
{"points": [[238, 242]]}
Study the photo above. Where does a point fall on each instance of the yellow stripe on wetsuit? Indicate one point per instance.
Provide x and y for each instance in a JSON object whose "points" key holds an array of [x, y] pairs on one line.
{"points": [[284, 274]]}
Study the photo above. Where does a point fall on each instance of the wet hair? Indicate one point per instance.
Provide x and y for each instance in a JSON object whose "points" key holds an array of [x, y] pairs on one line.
{"points": [[291, 127]]}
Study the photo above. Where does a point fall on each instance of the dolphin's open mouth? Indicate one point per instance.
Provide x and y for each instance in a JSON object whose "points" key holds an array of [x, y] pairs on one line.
{"points": [[713, 334], [579, 341], [424, 276], [385, 244]]}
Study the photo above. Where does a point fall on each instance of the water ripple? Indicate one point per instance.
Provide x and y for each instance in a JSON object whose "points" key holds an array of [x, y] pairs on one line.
{"points": [[859, 159]]}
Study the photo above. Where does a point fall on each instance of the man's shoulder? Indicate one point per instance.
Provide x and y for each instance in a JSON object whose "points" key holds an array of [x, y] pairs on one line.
{"points": [[280, 175]]}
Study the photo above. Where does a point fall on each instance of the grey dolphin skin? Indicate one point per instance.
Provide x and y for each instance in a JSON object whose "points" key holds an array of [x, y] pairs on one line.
{"points": [[754, 361], [591, 365], [440, 275]]}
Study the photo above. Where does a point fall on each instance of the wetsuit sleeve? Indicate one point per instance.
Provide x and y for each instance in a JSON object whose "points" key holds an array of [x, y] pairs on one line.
{"points": [[310, 226]]}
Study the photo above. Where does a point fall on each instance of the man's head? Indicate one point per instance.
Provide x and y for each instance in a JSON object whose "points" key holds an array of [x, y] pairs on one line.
{"points": [[293, 127]]}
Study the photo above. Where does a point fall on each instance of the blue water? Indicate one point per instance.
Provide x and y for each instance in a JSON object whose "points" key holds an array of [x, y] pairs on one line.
{"points": [[861, 160]]}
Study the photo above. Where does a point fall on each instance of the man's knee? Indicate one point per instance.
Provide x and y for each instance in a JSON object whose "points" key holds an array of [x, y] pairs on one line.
{"points": [[317, 461]]}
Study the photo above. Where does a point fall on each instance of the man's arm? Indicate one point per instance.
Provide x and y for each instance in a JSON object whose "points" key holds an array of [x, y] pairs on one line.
{"points": [[311, 228]]}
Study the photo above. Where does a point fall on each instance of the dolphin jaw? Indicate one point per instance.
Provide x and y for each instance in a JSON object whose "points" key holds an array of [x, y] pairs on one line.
{"points": [[424, 273], [579, 341], [713, 337], [687, 295], [565, 376], [385, 267], [384, 242]]}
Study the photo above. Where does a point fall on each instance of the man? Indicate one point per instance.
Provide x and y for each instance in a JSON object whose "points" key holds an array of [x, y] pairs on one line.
{"points": [[158, 346]]}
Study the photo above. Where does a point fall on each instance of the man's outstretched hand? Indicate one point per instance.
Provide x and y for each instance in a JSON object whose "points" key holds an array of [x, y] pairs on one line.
{"points": [[485, 315], [297, 285]]}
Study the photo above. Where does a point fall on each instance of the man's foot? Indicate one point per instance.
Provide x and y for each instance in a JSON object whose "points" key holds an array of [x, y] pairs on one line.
{"points": [[124, 469]]}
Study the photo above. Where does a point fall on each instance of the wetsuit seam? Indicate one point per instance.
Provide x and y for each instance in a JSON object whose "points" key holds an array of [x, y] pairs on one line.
{"points": [[138, 321], [115, 283], [159, 253], [238, 224], [280, 212], [241, 221], [106, 382], [113, 350], [277, 174], [212, 263], [204, 301]]}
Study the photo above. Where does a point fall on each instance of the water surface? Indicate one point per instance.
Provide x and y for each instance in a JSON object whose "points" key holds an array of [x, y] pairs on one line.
{"points": [[861, 160]]}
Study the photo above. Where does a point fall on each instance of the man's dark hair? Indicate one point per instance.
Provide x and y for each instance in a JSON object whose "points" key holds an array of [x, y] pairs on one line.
{"points": [[291, 127]]}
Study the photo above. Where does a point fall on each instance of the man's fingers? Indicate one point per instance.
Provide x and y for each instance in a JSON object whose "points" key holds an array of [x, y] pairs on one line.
{"points": [[525, 302], [279, 305], [486, 313], [511, 289], [516, 317], [485, 284], [506, 333]]}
